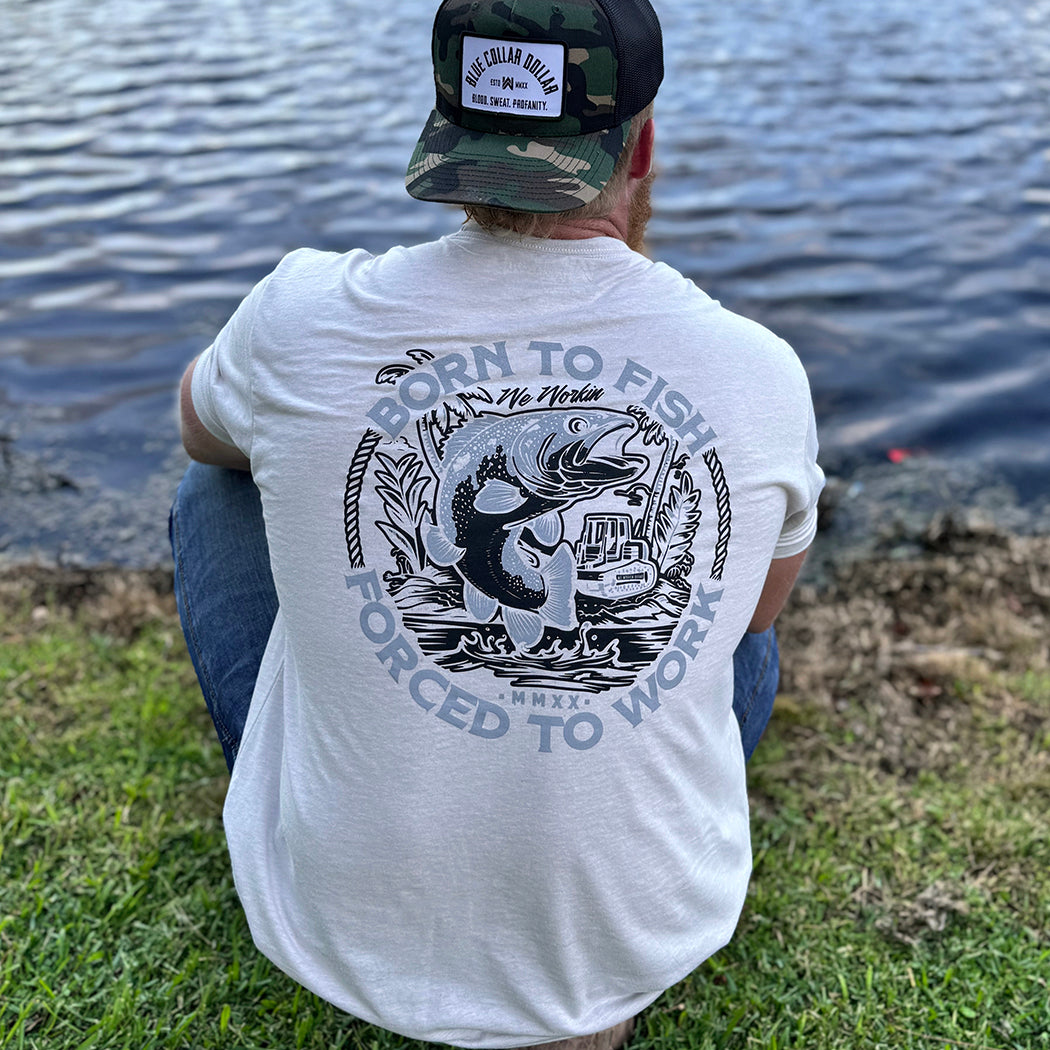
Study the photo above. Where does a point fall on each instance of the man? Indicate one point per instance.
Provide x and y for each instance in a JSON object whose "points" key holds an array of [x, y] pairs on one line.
{"points": [[532, 503]]}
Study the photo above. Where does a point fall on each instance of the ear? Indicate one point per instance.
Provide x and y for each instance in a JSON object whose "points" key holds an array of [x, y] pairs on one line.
{"points": [[642, 160]]}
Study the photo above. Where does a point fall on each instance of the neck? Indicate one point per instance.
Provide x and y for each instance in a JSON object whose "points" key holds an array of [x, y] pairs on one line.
{"points": [[582, 229], [626, 222], [617, 224]]}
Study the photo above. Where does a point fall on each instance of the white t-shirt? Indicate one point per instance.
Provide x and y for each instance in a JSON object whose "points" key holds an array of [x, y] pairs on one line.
{"points": [[521, 497]]}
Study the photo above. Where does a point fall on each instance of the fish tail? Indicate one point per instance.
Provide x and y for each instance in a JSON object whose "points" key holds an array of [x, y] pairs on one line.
{"points": [[524, 627], [478, 604]]}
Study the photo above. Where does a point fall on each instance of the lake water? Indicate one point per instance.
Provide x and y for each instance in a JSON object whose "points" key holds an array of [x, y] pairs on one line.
{"points": [[870, 178]]}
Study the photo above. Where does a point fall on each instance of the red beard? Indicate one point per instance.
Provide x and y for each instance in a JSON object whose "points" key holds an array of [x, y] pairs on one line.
{"points": [[640, 214]]}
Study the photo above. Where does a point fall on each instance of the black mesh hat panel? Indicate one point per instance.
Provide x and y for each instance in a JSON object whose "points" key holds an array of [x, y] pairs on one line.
{"points": [[639, 42]]}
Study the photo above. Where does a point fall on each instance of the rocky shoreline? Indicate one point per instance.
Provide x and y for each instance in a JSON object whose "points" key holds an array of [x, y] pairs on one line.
{"points": [[921, 554], [54, 516], [947, 598]]}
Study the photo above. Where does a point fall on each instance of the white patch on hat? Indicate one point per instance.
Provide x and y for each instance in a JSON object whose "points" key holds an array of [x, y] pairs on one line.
{"points": [[520, 79]]}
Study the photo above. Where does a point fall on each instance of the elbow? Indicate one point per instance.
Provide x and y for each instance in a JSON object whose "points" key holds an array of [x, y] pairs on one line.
{"points": [[200, 444]]}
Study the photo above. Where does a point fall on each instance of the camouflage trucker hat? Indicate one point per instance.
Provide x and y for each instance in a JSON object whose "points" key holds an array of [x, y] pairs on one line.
{"points": [[534, 100]]}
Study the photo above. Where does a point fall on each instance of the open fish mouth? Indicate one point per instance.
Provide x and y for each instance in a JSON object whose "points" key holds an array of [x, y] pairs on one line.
{"points": [[576, 468], [577, 461]]}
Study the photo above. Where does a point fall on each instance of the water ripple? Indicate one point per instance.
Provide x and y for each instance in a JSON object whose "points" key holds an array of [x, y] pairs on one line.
{"points": [[871, 179]]}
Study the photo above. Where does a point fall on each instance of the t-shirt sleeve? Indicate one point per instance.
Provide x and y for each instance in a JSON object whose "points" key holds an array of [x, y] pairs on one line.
{"points": [[803, 491], [222, 378]]}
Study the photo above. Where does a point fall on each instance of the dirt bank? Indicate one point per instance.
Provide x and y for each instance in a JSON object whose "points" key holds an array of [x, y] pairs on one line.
{"points": [[888, 640], [893, 630]]}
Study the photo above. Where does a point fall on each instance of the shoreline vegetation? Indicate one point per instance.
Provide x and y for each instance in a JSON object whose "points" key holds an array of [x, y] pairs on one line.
{"points": [[900, 800]]}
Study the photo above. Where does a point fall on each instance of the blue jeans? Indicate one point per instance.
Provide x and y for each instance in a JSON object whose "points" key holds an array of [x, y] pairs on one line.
{"points": [[227, 604], [756, 675]]}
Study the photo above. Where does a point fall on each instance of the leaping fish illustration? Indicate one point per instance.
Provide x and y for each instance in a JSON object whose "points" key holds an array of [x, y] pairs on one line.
{"points": [[503, 483]]}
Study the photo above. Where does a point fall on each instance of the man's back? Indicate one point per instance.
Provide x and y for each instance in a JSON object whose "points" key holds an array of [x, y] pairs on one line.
{"points": [[521, 497]]}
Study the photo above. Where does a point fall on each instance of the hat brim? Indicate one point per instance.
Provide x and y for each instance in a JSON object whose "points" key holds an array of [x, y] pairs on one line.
{"points": [[454, 165]]}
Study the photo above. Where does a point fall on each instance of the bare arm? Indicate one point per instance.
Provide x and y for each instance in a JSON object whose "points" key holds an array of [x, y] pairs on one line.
{"points": [[779, 581], [201, 444]]}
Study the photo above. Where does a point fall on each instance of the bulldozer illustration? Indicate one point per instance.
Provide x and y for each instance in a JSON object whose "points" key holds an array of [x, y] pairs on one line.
{"points": [[610, 563]]}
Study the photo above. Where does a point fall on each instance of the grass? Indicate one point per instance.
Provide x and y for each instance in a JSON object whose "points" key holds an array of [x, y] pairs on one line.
{"points": [[901, 895]]}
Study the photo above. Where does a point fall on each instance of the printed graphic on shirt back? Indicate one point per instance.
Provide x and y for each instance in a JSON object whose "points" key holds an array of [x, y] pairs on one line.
{"points": [[533, 533]]}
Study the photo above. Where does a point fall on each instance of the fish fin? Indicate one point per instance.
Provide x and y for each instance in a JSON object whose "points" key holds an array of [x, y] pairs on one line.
{"points": [[516, 553], [498, 497], [440, 548], [467, 434], [524, 627], [477, 603], [548, 528], [559, 610]]}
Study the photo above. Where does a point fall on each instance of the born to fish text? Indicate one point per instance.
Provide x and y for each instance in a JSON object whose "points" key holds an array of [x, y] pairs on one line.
{"points": [[422, 388], [671, 406]]}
